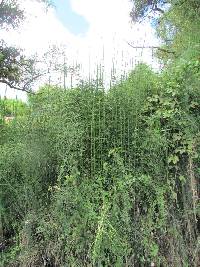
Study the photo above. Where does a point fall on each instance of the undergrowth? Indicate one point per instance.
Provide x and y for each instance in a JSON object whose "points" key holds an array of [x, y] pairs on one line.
{"points": [[104, 178]]}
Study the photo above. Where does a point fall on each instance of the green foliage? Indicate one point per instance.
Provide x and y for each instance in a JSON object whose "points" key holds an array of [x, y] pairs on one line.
{"points": [[108, 178], [177, 26], [16, 70], [97, 178], [10, 107], [179, 29]]}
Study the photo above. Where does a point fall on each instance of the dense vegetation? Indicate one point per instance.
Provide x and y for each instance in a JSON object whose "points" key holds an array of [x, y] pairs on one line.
{"points": [[91, 177]]}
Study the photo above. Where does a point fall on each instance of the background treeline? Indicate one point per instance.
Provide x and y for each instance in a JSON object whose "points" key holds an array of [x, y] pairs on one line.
{"points": [[91, 177]]}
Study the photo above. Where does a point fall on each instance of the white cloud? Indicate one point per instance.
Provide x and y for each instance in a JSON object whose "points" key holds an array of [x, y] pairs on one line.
{"points": [[39, 30], [104, 16], [105, 42]]}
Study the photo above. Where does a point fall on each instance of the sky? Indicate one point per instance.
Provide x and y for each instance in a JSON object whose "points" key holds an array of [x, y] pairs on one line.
{"points": [[90, 32], [74, 22]]}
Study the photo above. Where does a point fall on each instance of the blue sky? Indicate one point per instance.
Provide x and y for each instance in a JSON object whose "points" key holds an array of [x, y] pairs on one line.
{"points": [[75, 23]]}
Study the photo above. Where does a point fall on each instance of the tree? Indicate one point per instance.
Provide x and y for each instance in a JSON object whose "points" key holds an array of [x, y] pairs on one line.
{"points": [[16, 70], [10, 14], [142, 8], [177, 24]]}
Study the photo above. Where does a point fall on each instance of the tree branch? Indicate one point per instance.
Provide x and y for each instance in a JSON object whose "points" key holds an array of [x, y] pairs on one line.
{"points": [[158, 9], [152, 47], [16, 87]]}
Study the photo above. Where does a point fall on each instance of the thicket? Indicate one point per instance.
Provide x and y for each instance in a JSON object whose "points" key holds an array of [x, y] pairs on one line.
{"points": [[95, 178], [91, 177]]}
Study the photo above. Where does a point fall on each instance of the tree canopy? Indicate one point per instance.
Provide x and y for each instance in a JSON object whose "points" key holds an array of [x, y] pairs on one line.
{"points": [[176, 22], [16, 70]]}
